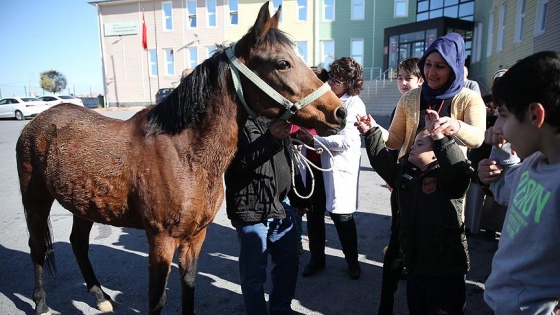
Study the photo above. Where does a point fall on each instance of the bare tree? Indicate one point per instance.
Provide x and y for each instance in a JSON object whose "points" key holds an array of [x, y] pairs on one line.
{"points": [[52, 81]]}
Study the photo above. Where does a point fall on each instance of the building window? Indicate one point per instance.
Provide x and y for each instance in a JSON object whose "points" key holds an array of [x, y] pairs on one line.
{"points": [[302, 10], [167, 11], [501, 28], [169, 61], [490, 34], [193, 57], [302, 49], [540, 23], [153, 69], [357, 50], [328, 10], [210, 50], [211, 13], [191, 13], [401, 8], [358, 9], [327, 53], [233, 12], [520, 20], [477, 49], [275, 5], [429, 9]]}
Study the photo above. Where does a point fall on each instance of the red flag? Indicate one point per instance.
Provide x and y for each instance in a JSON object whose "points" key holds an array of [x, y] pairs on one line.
{"points": [[144, 33]]}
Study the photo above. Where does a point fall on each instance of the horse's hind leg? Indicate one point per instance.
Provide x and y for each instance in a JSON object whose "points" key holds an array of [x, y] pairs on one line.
{"points": [[40, 246], [188, 265], [79, 238], [161, 253]]}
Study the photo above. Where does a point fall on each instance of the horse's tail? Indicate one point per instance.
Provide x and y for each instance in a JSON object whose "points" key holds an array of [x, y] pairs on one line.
{"points": [[49, 253]]}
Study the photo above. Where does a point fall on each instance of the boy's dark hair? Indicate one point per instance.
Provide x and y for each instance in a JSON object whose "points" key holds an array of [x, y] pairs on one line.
{"points": [[533, 79], [410, 65]]}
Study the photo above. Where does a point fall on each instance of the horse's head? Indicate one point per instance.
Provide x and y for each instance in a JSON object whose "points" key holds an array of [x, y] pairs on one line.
{"points": [[272, 57]]}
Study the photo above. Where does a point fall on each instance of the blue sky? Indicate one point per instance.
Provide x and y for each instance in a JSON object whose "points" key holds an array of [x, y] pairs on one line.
{"points": [[42, 35]]}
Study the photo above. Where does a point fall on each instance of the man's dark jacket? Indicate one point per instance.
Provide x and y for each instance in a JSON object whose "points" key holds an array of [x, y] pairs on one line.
{"points": [[260, 175]]}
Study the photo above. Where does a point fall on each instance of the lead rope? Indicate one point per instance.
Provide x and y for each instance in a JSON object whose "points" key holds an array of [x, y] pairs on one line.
{"points": [[301, 159]]}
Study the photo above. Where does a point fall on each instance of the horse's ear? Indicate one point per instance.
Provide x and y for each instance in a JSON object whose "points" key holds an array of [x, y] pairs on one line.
{"points": [[264, 22]]}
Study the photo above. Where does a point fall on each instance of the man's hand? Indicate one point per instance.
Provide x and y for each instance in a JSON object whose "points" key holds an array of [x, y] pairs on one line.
{"points": [[280, 129]]}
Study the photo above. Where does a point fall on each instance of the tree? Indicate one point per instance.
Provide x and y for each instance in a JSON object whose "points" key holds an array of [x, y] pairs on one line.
{"points": [[52, 81]]}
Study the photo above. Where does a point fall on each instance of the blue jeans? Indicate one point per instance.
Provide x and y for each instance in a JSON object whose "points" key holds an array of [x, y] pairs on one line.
{"points": [[277, 237]]}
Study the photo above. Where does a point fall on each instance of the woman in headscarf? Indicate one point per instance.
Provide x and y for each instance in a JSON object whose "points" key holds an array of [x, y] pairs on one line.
{"points": [[462, 111]]}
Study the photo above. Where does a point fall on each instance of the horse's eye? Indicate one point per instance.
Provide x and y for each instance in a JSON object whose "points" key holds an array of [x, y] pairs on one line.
{"points": [[283, 65]]}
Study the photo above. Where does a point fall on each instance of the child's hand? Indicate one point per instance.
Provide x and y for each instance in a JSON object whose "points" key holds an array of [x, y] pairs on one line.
{"points": [[492, 137], [433, 125], [365, 123], [489, 170]]}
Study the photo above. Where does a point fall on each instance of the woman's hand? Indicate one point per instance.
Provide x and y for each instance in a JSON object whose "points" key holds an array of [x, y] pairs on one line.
{"points": [[365, 123], [448, 126], [432, 124]]}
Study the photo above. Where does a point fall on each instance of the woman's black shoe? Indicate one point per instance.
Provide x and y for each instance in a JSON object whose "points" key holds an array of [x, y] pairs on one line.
{"points": [[311, 268]]}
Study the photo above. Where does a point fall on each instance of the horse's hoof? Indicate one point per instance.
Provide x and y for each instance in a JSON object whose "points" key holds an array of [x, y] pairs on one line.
{"points": [[105, 306]]}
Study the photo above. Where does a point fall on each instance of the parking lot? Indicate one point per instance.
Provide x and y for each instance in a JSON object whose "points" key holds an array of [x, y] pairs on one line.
{"points": [[119, 257]]}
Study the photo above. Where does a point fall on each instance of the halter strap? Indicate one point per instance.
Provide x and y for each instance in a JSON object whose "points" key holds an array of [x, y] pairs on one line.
{"points": [[291, 108]]}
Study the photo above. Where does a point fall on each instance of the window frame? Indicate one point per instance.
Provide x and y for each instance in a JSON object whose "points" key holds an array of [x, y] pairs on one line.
{"points": [[360, 4], [211, 16], [169, 61], [191, 15], [501, 28], [165, 18], [325, 7], [540, 19], [396, 4], [520, 21], [302, 5], [359, 57], [153, 69], [233, 13], [490, 38]]}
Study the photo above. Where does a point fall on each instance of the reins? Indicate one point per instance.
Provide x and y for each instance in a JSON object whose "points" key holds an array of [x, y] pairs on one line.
{"points": [[302, 160]]}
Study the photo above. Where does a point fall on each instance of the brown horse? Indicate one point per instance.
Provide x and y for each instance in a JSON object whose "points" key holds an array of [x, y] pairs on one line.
{"points": [[161, 170]]}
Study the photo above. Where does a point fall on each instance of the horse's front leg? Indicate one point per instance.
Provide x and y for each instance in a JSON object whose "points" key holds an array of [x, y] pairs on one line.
{"points": [[79, 238], [160, 254], [188, 262]]}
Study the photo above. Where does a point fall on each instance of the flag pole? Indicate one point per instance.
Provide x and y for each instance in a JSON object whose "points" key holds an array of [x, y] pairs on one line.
{"points": [[145, 46]]}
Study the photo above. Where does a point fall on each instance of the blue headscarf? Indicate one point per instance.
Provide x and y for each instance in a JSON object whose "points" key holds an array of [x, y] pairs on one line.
{"points": [[452, 49]]}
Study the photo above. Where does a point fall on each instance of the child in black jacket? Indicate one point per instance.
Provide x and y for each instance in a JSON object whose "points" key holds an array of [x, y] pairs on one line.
{"points": [[430, 183]]}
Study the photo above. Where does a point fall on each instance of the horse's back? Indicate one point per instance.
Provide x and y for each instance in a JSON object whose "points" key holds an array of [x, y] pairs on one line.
{"points": [[79, 156]]}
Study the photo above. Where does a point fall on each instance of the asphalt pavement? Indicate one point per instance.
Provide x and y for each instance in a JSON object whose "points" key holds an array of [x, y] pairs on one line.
{"points": [[119, 257]]}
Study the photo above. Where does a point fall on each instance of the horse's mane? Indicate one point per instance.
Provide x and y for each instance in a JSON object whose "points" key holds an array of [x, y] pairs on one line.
{"points": [[186, 105]]}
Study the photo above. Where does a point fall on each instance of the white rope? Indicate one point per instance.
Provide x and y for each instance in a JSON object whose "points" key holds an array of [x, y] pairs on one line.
{"points": [[301, 159]]}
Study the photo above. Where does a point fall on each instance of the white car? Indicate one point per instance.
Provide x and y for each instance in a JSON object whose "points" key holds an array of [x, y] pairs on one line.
{"points": [[21, 107], [53, 100]]}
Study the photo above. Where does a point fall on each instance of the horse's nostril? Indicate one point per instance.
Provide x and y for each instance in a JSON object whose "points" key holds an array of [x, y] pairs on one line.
{"points": [[341, 113]]}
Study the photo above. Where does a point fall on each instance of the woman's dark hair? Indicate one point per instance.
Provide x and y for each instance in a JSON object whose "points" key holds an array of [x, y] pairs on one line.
{"points": [[321, 73], [350, 72]]}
